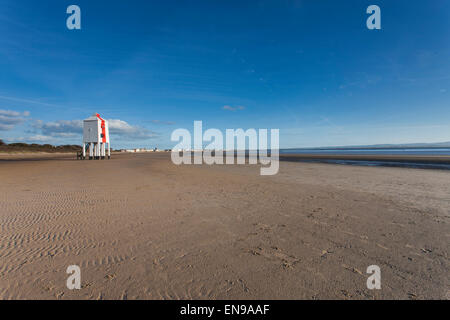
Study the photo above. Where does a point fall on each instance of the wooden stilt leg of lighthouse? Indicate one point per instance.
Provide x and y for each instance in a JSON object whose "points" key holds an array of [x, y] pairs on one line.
{"points": [[103, 151], [91, 151]]}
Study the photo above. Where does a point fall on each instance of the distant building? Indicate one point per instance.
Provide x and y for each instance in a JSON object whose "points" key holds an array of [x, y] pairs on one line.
{"points": [[141, 150]]}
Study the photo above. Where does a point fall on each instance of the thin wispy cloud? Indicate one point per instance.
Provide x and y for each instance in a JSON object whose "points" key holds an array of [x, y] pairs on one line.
{"points": [[169, 123], [231, 108], [29, 101], [39, 103]]}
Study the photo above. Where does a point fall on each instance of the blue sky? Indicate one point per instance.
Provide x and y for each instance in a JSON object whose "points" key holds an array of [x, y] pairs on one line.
{"points": [[310, 68]]}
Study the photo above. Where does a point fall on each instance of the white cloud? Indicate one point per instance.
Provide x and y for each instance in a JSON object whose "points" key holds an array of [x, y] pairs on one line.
{"points": [[125, 130], [40, 138], [9, 119], [61, 128], [68, 129], [31, 139]]}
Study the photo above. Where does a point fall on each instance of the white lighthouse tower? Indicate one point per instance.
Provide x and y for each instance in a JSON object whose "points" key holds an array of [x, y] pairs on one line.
{"points": [[96, 137]]}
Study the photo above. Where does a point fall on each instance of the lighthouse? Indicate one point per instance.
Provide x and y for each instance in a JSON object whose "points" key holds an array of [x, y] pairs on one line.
{"points": [[96, 137]]}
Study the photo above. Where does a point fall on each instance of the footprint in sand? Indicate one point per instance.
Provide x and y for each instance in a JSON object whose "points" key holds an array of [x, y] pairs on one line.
{"points": [[275, 254]]}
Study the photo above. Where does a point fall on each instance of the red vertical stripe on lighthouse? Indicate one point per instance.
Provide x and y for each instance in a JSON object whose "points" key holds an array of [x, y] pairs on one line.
{"points": [[103, 128]]}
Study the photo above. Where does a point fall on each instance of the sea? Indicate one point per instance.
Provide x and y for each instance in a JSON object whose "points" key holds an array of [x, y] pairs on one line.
{"points": [[376, 152]]}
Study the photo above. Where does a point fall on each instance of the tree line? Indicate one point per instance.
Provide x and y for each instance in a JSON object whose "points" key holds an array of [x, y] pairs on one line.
{"points": [[20, 147]]}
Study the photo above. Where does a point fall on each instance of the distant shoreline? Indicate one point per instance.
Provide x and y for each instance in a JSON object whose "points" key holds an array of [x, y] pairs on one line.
{"points": [[366, 148], [407, 161]]}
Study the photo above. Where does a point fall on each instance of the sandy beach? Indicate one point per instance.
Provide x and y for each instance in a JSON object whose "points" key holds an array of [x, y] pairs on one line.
{"points": [[140, 227]]}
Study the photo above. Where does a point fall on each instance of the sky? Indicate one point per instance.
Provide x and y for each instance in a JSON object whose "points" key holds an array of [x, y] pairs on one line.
{"points": [[309, 68]]}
